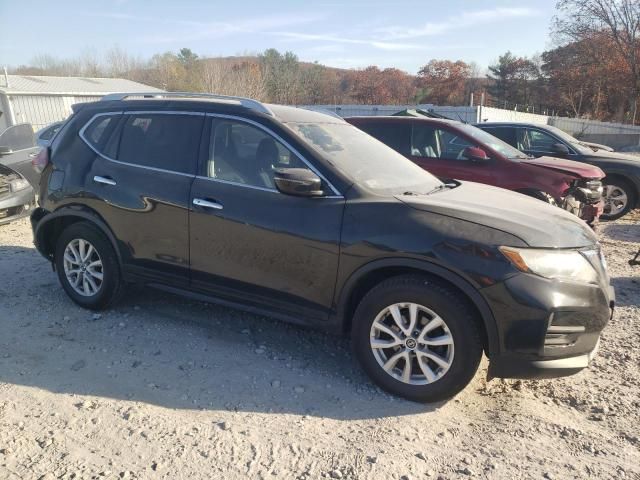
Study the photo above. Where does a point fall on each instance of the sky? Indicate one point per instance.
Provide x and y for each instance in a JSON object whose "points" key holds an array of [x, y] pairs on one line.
{"points": [[403, 34]]}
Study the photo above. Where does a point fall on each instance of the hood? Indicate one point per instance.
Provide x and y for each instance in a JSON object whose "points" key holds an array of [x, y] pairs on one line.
{"points": [[579, 169], [536, 223], [616, 157]]}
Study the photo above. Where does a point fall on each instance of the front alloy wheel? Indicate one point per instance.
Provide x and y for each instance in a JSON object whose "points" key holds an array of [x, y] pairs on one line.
{"points": [[417, 337], [616, 201], [412, 343]]}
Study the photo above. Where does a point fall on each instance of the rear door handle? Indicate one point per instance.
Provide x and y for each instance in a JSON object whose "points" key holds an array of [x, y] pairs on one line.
{"points": [[34, 154], [201, 202], [104, 180]]}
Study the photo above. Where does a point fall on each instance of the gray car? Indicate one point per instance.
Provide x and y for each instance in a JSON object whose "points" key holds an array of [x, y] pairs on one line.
{"points": [[18, 179]]}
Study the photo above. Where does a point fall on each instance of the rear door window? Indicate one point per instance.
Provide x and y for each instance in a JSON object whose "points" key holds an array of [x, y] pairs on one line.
{"points": [[165, 141]]}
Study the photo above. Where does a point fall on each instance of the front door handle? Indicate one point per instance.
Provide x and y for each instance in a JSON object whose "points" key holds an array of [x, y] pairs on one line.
{"points": [[104, 180], [34, 154], [201, 202]]}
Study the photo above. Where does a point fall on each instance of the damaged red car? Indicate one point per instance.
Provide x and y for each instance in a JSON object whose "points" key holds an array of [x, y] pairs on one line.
{"points": [[455, 150]]}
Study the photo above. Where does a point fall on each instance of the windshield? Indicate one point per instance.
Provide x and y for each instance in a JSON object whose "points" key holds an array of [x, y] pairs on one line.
{"points": [[485, 138], [575, 143], [366, 160]]}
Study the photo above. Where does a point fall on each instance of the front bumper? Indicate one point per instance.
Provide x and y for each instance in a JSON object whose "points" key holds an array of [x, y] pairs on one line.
{"points": [[17, 205], [547, 328]]}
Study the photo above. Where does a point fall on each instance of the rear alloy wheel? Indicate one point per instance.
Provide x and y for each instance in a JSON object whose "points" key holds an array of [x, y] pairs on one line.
{"points": [[83, 267], [87, 266], [417, 338], [618, 197]]}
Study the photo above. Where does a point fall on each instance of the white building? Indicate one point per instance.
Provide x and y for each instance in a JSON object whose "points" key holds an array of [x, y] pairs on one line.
{"points": [[41, 100]]}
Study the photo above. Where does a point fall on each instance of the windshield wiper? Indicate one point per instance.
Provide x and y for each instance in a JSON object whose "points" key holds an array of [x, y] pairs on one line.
{"points": [[438, 188]]}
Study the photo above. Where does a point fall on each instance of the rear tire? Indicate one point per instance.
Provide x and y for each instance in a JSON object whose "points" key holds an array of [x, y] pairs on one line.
{"points": [[87, 266], [441, 348], [619, 197]]}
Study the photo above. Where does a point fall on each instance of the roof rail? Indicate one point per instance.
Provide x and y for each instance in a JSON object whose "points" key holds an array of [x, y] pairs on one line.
{"points": [[245, 102]]}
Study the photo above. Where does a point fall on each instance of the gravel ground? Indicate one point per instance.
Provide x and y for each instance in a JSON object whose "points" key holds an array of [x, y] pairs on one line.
{"points": [[162, 387]]}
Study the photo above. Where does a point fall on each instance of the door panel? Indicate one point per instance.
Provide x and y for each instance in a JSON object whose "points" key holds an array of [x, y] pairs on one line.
{"points": [[145, 199], [272, 248], [251, 242]]}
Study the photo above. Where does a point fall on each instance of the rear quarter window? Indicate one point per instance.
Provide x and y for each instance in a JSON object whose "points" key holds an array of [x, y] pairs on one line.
{"points": [[97, 132], [165, 141]]}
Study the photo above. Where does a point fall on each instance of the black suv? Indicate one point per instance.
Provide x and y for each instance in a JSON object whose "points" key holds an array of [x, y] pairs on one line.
{"points": [[301, 216], [622, 182]]}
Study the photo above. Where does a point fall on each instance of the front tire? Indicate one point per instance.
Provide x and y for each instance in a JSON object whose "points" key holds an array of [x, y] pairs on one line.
{"points": [[619, 197], [417, 338], [87, 266]]}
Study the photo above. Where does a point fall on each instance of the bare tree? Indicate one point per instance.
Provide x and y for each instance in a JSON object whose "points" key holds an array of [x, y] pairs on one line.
{"points": [[617, 19]]}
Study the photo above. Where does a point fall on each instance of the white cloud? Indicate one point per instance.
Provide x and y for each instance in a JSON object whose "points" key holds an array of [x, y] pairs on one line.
{"points": [[187, 30], [389, 46], [466, 19]]}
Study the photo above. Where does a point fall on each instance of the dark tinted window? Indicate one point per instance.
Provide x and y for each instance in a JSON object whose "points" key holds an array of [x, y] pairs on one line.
{"points": [[18, 137], [242, 153], [395, 135], [506, 134], [169, 142]]}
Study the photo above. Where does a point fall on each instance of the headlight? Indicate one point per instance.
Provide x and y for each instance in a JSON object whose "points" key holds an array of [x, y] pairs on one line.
{"points": [[18, 184], [561, 264]]}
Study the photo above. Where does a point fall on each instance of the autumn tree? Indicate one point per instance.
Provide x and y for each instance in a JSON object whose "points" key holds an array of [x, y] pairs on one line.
{"points": [[444, 82]]}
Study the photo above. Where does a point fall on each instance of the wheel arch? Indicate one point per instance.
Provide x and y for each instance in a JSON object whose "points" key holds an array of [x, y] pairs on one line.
{"points": [[369, 275], [50, 226]]}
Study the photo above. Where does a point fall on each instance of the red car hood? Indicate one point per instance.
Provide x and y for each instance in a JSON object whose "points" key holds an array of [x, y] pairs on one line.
{"points": [[578, 169]]}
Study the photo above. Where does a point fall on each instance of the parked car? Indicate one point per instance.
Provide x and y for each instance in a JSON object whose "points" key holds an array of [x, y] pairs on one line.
{"points": [[17, 177], [451, 149], [16, 195], [622, 182], [299, 215], [46, 134], [18, 149]]}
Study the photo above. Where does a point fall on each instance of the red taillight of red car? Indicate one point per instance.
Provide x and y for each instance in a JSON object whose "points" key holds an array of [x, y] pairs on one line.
{"points": [[41, 160]]}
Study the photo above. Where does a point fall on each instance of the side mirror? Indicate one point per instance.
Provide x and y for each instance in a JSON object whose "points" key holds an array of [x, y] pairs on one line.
{"points": [[560, 148], [475, 154], [5, 151], [298, 181]]}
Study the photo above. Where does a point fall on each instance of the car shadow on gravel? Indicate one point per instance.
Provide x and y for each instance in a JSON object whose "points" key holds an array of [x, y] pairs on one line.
{"points": [[623, 232], [627, 290], [165, 350]]}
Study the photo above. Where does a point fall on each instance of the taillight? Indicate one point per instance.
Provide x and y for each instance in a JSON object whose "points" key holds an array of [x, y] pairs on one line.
{"points": [[41, 160]]}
